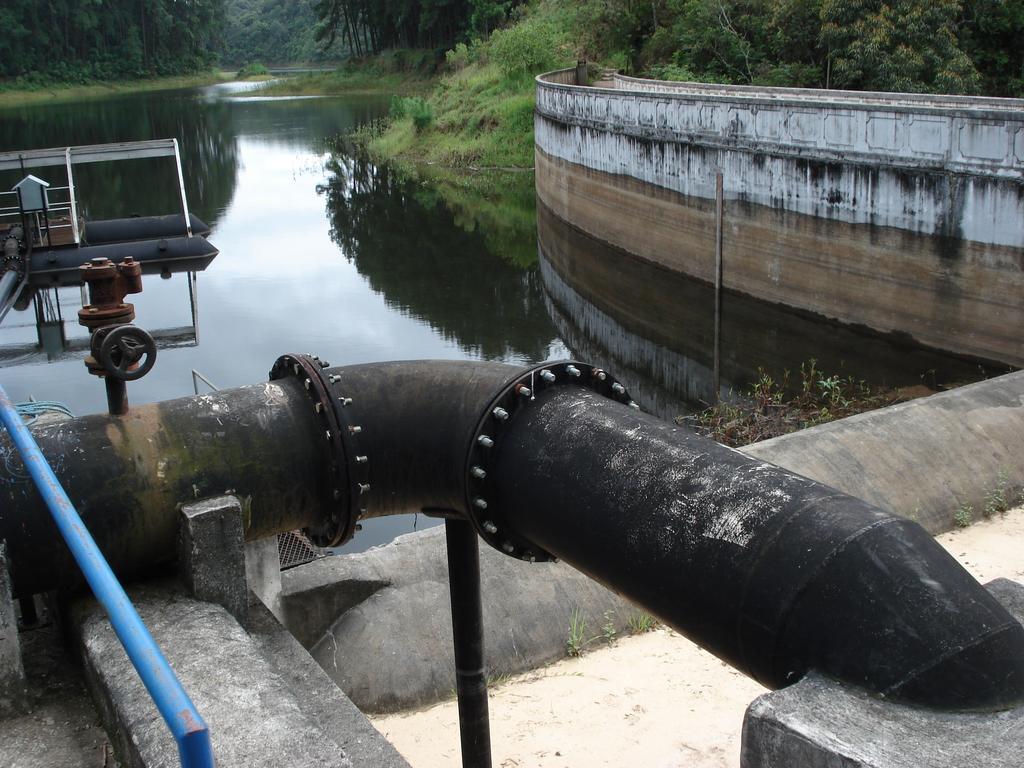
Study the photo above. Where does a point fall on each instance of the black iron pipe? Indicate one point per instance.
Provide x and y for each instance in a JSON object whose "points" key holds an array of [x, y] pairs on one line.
{"points": [[468, 634], [128, 476], [117, 395], [772, 572], [416, 421]]}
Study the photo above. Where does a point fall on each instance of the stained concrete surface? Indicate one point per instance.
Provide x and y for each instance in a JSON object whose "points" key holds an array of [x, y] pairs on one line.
{"points": [[61, 728], [254, 715], [379, 622]]}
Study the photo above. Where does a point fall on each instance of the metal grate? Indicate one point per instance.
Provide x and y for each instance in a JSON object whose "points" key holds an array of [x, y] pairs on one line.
{"points": [[294, 548]]}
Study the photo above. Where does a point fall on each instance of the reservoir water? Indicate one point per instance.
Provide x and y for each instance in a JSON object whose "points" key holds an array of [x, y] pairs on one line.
{"points": [[324, 252]]}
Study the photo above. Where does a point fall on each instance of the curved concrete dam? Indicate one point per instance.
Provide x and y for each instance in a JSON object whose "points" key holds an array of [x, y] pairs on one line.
{"points": [[897, 212]]}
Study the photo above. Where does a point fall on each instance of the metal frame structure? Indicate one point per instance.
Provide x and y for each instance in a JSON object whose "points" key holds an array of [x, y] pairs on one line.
{"points": [[96, 153]]}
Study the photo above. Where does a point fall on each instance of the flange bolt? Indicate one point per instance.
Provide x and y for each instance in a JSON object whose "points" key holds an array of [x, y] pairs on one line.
{"points": [[618, 389], [547, 375], [500, 414], [478, 472], [573, 371], [480, 503], [485, 441], [490, 527]]}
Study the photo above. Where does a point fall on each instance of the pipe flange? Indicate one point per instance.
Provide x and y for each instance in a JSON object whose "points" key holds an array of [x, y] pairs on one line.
{"points": [[494, 524], [347, 480]]}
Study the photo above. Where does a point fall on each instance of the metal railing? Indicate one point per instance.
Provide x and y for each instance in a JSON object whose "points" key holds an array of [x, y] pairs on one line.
{"points": [[183, 719]]}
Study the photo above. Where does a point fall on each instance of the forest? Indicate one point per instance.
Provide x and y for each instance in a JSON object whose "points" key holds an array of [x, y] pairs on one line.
{"points": [[85, 40], [955, 46], [951, 46]]}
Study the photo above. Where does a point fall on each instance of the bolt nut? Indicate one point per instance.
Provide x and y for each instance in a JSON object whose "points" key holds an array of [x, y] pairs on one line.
{"points": [[361, 459], [617, 388], [547, 375], [507, 548], [485, 441], [524, 391], [480, 503], [355, 430], [634, 404], [345, 400], [364, 488], [334, 378], [600, 375], [500, 414], [323, 363], [490, 527], [317, 407], [478, 472], [573, 371]]}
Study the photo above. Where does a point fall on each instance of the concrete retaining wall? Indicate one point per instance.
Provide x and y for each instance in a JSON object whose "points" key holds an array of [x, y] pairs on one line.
{"points": [[898, 214]]}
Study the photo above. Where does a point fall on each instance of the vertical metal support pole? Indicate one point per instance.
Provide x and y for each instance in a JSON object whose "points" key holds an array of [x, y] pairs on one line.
{"points": [[719, 216], [181, 189], [468, 631], [117, 396], [71, 194], [193, 300]]}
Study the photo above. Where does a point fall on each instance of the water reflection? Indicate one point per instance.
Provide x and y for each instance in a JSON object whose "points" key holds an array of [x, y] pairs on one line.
{"points": [[655, 329], [206, 134], [319, 252], [436, 267]]}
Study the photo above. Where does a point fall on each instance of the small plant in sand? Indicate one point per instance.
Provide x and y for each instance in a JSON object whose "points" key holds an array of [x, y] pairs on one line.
{"points": [[964, 515], [642, 622], [997, 498], [577, 639], [608, 628]]}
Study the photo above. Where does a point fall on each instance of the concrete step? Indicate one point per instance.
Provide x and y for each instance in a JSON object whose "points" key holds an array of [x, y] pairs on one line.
{"points": [[256, 716]]}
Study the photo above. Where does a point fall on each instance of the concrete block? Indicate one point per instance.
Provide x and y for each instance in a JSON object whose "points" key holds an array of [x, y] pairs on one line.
{"points": [[211, 553], [819, 723], [320, 699], [379, 622], [255, 717], [12, 672], [263, 572]]}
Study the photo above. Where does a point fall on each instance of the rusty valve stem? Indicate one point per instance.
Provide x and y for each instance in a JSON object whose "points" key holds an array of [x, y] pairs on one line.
{"points": [[106, 311]]}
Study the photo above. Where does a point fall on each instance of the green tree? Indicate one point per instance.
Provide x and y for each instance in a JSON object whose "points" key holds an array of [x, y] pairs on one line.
{"points": [[903, 45]]}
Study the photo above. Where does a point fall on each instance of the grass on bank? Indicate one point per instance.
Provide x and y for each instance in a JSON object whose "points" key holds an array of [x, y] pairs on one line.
{"points": [[772, 408], [480, 114], [401, 71], [13, 94]]}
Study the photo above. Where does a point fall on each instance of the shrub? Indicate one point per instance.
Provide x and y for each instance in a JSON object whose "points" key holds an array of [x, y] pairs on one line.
{"points": [[415, 107], [458, 57], [531, 47], [253, 69]]}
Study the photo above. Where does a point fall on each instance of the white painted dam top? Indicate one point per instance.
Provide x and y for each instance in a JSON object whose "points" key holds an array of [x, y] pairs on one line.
{"points": [[962, 134]]}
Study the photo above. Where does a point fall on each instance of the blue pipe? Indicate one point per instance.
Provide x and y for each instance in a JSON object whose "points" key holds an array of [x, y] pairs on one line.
{"points": [[186, 725]]}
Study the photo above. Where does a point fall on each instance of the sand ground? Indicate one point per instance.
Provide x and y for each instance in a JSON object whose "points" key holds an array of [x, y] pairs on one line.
{"points": [[653, 700]]}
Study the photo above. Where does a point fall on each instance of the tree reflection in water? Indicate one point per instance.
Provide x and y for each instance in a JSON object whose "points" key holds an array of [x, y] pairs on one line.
{"points": [[458, 265]]}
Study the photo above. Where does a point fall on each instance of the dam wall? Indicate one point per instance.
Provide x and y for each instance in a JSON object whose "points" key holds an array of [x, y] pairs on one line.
{"points": [[898, 212]]}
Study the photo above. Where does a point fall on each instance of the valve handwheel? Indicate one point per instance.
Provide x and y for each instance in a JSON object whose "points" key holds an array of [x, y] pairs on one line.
{"points": [[124, 347]]}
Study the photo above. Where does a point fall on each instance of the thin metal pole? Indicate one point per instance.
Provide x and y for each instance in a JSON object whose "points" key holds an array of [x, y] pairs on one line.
{"points": [[117, 395], [71, 194], [719, 215], [468, 632], [181, 189], [193, 300], [186, 725]]}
